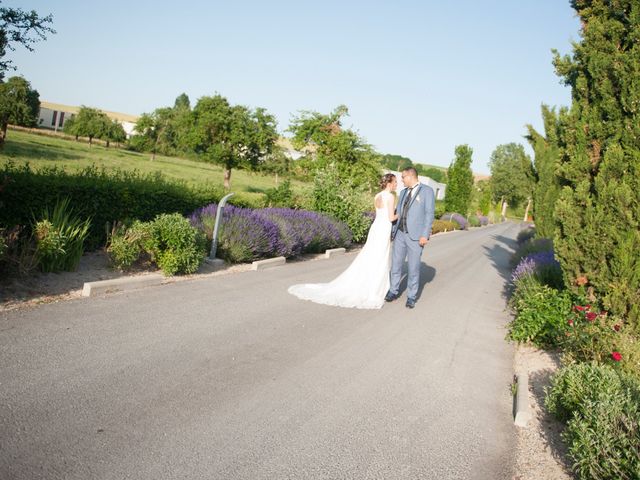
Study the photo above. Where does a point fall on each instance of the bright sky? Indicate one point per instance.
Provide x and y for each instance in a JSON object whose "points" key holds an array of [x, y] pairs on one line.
{"points": [[419, 77]]}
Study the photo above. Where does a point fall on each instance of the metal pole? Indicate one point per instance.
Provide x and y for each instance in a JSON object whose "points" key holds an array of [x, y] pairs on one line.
{"points": [[214, 240]]}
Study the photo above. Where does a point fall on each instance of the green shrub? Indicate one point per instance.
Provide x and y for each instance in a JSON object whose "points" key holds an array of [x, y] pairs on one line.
{"points": [[281, 196], [439, 226], [526, 234], [105, 196], [174, 244], [474, 221], [125, 245], [540, 313], [603, 412], [60, 236], [440, 209], [339, 197]]}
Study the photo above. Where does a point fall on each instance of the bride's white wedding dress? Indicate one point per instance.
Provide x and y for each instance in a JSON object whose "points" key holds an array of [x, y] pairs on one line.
{"points": [[366, 281]]}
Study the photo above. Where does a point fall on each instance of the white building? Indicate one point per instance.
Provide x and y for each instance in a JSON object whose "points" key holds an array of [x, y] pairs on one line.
{"points": [[438, 188], [54, 116]]}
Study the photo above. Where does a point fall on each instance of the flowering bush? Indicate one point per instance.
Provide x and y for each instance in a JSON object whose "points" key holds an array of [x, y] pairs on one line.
{"points": [[543, 266], [533, 245], [595, 335], [602, 408], [247, 235], [456, 217], [484, 220]]}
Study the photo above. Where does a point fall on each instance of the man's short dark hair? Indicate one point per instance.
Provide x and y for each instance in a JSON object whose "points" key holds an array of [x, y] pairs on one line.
{"points": [[412, 171]]}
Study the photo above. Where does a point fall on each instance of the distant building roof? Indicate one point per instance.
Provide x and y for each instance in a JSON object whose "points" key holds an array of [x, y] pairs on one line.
{"points": [[122, 117]]}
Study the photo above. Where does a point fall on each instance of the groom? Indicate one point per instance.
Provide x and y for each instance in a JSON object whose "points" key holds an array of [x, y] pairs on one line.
{"points": [[411, 232]]}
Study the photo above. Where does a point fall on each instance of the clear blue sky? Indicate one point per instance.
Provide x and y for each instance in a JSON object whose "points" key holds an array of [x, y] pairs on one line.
{"points": [[419, 77]]}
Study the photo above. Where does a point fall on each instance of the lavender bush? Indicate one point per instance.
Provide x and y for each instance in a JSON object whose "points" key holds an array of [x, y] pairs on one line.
{"points": [[456, 217], [484, 220], [541, 267], [246, 234], [526, 234]]}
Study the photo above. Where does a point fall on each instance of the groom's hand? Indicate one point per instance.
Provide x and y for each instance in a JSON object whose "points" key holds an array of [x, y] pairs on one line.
{"points": [[423, 241]]}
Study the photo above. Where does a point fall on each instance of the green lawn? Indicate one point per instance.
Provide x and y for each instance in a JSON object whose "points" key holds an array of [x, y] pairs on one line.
{"points": [[40, 151]]}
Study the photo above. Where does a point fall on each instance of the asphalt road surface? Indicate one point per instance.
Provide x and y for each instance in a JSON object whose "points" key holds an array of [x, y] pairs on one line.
{"points": [[230, 377]]}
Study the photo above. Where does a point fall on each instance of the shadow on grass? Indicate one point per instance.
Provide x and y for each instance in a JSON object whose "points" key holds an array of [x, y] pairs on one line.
{"points": [[38, 151]]}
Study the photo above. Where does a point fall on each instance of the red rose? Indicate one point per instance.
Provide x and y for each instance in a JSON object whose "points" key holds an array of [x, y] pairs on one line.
{"points": [[570, 322], [616, 356], [591, 316], [579, 308], [616, 327]]}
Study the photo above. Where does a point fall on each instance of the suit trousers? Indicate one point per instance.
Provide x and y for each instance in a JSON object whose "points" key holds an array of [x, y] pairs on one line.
{"points": [[404, 247]]}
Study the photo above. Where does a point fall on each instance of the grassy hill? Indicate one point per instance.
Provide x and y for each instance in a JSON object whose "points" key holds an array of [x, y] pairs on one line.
{"points": [[47, 151]]}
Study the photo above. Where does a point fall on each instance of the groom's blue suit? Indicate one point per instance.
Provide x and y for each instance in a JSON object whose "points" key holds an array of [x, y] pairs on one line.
{"points": [[419, 217]]}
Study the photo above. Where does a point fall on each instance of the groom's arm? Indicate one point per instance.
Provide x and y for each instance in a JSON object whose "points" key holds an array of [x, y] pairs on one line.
{"points": [[429, 212]]}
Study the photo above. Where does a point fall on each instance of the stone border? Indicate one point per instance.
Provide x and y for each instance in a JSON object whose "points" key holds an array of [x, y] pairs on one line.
{"points": [[523, 414], [332, 252], [91, 289], [268, 263]]}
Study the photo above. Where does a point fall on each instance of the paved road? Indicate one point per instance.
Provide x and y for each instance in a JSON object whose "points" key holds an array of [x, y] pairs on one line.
{"points": [[232, 378]]}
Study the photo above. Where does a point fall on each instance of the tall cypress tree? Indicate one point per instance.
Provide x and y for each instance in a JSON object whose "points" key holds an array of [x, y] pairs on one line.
{"points": [[598, 212], [547, 184], [460, 181]]}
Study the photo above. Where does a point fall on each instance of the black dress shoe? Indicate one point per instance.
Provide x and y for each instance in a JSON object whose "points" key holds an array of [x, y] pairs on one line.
{"points": [[411, 302], [390, 297]]}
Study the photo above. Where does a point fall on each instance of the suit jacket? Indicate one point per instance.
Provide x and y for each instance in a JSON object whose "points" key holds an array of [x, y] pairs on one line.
{"points": [[421, 211]]}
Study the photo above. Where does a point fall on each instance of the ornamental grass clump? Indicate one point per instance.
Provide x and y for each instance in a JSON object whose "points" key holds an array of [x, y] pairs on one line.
{"points": [[602, 410], [456, 217], [60, 237]]}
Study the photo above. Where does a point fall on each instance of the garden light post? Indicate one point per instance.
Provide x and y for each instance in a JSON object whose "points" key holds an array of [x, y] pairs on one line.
{"points": [[214, 240]]}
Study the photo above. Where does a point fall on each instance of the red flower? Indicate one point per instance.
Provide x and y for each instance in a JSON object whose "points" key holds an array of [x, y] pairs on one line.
{"points": [[591, 316], [579, 308], [616, 327], [570, 322], [616, 356]]}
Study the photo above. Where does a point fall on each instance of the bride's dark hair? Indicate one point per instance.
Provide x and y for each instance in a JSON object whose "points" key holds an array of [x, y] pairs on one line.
{"points": [[386, 179]]}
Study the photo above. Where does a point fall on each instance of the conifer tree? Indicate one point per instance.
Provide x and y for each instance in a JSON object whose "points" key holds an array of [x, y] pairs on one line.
{"points": [[547, 185], [460, 182], [598, 236]]}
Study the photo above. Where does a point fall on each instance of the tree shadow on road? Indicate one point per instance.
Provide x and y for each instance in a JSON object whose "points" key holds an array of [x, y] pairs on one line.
{"points": [[501, 260]]}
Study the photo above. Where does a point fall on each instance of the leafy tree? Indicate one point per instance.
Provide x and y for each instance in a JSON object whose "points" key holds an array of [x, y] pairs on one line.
{"points": [[547, 183], [232, 135], [598, 212], [19, 105], [433, 173], [484, 196], [458, 195], [89, 122], [113, 132], [155, 128], [511, 174], [333, 145], [396, 162], [23, 28]]}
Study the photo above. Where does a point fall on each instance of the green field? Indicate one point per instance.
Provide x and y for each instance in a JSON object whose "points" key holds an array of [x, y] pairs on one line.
{"points": [[47, 151]]}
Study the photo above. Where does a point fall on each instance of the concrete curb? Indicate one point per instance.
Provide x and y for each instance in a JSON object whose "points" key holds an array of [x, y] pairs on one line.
{"points": [[332, 252], [268, 263], [523, 415], [121, 284]]}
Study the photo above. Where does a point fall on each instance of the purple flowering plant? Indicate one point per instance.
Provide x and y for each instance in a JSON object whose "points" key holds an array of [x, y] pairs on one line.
{"points": [[456, 217]]}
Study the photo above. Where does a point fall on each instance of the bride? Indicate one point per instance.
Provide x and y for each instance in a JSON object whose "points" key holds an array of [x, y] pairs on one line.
{"points": [[365, 282]]}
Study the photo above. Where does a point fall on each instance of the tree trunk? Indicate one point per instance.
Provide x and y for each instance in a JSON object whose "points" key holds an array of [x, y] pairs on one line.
{"points": [[90, 141], [227, 178], [526, 212], [3, 133]]}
